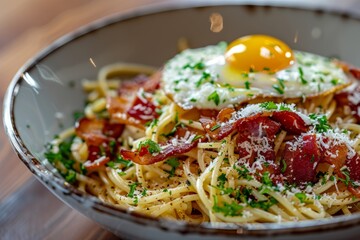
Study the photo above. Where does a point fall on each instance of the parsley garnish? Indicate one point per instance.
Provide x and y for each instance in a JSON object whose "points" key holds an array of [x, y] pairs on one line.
{"points": [[301, 74], [322, 124], [269, 105], [247, 84], [173, 163], [228, 209], [197, 137], [215, 127], [70, 176], [301, 197], [214, 97], [150, 145], [121, 160], [284, 166], [266, 180], [132, 189]]}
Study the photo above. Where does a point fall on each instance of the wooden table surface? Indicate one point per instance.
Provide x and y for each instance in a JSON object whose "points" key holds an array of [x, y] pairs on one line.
{"points": [[27, 209]]}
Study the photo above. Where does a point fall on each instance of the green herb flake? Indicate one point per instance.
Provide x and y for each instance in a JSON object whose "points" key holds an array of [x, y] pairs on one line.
{"points": [[214, 96], [247, 84], [269, 106], [215, 127], [228, 209], [173, 163], [301, 197], [132, 189], [284, 165], [279, 89], [150, 145], [70, 176], [266, 180], [301, 74]]}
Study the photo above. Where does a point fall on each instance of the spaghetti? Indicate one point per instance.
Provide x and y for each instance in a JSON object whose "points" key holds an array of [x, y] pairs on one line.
{"points": [[258, 161]]}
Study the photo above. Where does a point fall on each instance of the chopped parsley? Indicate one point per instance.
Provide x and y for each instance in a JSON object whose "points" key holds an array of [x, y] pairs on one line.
{"points": [[247, 84], [214, 96], [152, 123], [322, 124], [63, 155], [266, 180], [301, 74], [215, 127], [150, 145], [132, 189], [197, 137], [228, 209], [173, 163], [70, 176], [301, 196], [284, 165], [269, 105], [279, 89], [121, 160]]}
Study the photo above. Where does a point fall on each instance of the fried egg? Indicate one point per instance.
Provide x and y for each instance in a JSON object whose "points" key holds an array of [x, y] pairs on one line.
{"points": [[254, 66]]}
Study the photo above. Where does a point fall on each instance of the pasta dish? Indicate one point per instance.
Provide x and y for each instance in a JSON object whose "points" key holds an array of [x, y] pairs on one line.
{"points": [[246, 132]]}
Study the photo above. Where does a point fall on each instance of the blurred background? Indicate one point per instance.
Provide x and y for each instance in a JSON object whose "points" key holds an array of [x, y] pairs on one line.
{"points": [[26, 27]]}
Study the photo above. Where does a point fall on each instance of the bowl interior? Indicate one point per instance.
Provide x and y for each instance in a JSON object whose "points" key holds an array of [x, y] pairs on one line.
{"points": [[47, 91]]}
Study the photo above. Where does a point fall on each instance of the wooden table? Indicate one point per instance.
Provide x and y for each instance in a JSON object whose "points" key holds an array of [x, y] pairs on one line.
{"points": [[27, 209]]}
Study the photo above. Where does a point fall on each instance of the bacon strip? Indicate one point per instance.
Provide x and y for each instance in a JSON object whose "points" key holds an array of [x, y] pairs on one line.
{"points": [[259, 133], [300, 159], [145, 158], [97, 134], [290, 122], [168, 149]]}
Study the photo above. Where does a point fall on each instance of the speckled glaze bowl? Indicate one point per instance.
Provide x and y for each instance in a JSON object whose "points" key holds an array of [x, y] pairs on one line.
{"points": [[46, 91]]}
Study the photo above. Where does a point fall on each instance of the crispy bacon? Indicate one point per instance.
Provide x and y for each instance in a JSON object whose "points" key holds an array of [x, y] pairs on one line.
{"points": [[148, 83], [145, 158], [92, 165], [290, 122], [355, 72], [334, 154], [353, 166], [168, 149], [300, 158], [259, 133], [143, 110], [351, 99], [97, 134]]}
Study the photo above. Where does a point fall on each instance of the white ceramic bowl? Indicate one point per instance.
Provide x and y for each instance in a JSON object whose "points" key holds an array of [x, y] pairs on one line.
{"points": [[48, 87]]}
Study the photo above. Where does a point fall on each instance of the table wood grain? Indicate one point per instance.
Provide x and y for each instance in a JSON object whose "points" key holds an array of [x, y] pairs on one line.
{"points": [[27, 209]]}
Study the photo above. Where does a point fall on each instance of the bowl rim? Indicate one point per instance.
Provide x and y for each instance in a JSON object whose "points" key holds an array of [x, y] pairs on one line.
{"points": [[53, 182]]}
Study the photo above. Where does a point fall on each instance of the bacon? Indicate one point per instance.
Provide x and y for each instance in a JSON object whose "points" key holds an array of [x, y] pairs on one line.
{"points": [[168, 149], [143, 110], [131, 87], [92, 165], [353, 166], [258, 132], [351, 99], [300, 163], [145, 158], [97, 134], [290, 122], [355, 72], [334, 154]]}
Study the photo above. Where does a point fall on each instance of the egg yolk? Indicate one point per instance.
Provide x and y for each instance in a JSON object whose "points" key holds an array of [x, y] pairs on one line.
{"points": [[259, 53]]}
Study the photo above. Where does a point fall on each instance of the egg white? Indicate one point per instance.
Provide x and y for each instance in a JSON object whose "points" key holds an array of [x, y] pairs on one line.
{"points": [[201, 78]]}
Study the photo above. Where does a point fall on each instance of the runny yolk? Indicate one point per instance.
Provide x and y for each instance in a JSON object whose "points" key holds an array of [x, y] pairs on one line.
{"points": [[259, 53]]}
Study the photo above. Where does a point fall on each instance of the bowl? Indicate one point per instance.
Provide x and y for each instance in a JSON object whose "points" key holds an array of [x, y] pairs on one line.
{"points": [[47, 89]]}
